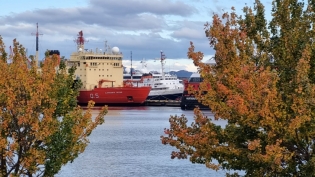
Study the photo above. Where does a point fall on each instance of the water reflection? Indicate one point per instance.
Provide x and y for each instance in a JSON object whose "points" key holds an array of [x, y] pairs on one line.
{"points": [[118, 108], [128, 144]]}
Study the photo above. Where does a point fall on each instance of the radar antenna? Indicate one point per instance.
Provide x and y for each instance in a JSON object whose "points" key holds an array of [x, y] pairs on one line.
{"points": [[80, 41]]}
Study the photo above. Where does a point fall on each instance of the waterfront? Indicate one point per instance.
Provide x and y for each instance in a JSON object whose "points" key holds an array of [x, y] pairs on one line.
{"points": [[128, 144]]}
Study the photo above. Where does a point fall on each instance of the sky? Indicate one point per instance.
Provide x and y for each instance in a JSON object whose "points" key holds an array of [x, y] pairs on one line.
{"points": [[143, 27]]}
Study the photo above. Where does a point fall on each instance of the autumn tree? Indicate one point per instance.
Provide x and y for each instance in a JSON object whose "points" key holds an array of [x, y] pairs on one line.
{"points": [[41, 126], [263, 86]]}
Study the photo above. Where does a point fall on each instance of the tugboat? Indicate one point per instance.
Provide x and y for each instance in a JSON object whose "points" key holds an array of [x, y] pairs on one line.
{"points": [[101, 73], [189, 101]]}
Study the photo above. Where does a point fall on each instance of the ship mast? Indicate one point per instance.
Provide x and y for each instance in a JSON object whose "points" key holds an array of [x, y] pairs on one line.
{"points": [[36, 55], [163, 57], [131, 64], [80, 41]]}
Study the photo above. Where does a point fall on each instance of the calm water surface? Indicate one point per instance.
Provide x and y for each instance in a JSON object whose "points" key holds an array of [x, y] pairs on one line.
{"points": [[128, 144]]}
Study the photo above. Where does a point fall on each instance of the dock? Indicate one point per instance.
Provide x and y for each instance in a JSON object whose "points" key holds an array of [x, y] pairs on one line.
{"points": [[171, 103]]}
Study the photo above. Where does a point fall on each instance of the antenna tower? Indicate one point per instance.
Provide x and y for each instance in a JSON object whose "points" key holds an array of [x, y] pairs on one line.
{"points": [[105, 47], [36, 34], [80, 41]]}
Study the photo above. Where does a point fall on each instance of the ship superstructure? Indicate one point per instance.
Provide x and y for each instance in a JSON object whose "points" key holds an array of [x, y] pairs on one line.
{"points": [[96, 65], [164, 86]]}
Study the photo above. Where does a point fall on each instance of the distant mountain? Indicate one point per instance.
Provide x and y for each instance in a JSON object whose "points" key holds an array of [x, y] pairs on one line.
{"points": [[182, 73]]}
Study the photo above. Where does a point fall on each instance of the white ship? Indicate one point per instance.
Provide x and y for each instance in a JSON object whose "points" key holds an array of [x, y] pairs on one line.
{"points": [[164, 86]]}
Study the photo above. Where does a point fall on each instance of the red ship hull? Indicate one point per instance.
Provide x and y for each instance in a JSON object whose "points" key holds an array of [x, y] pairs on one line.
{"points": [[115, 95]]}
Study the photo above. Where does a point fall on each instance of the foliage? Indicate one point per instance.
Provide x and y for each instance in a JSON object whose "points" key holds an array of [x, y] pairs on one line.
{"points": [[263, 86], [42, 128]]}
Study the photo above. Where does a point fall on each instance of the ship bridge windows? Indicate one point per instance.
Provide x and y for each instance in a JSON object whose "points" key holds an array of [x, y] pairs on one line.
{"points": [[96, 58], [195, 79]]}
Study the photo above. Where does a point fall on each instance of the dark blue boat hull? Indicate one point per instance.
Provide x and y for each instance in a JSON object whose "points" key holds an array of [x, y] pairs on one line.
{"points": [[190, 102], [165, 97]]}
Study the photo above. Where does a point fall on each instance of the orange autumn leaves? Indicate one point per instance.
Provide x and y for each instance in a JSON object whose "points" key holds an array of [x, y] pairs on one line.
{"points": [[263, 86], [37, 129]]}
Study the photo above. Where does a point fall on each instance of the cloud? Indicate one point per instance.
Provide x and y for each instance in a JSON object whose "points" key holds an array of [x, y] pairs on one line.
{"points": [[155, 65], [188, 33], [159, 7], [141, 26], [127, 14]]}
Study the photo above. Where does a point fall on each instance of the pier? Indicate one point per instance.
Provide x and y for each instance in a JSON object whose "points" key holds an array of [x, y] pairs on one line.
{"points": [[172, 103]]}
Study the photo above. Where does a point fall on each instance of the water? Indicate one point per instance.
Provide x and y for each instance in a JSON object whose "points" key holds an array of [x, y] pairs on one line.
{"points": [[128, 144]]}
